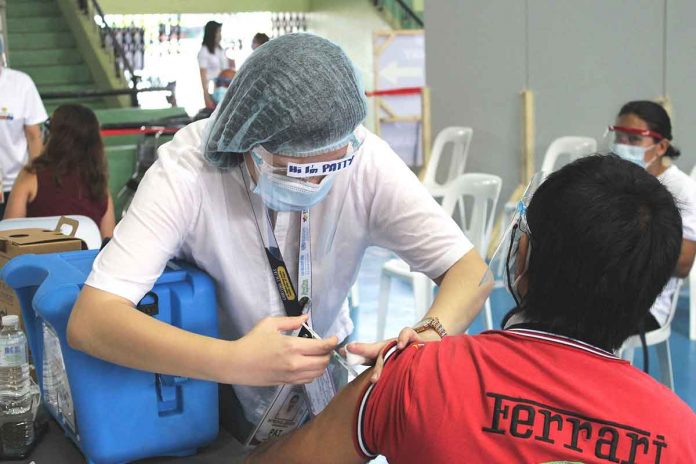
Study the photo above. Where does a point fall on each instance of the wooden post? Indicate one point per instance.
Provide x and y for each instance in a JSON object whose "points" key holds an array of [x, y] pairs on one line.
{"points": [[528, 136], [426, 129]]}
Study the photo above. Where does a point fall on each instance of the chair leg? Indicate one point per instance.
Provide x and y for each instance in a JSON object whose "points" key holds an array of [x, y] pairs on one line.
{"points": [[422, 294], [664, 358], [355, 296], [353, 306], [692, 308], [488, 313], [627, 354], [384, 288]]}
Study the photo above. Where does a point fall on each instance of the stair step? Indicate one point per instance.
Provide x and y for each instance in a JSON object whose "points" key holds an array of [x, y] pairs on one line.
{"points": [[70, 74], [55, 56], [38, 41], [54, 88], [33, 24], [31, 8], [93, 103]]}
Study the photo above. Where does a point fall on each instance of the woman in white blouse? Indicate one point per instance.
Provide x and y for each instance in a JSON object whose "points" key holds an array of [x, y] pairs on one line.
{"points": [[211, 59]]}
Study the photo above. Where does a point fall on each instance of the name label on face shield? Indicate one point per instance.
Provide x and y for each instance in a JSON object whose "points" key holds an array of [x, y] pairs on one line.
{"points": [[318, 169]]}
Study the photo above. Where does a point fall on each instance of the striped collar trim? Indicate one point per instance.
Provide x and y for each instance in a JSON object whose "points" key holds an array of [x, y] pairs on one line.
{"points": [[562, 340]]}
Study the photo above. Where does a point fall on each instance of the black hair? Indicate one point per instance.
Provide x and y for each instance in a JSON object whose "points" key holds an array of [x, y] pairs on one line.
{"points": [[605, 238], [211, 28], [260, 38], [657, 119]]}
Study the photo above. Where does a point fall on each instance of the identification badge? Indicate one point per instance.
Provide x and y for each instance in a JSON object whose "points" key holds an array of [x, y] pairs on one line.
{"points": [[287, 411]]}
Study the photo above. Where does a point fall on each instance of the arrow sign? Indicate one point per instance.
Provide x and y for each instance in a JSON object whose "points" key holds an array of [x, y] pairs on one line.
{"points": [[392, 72]]}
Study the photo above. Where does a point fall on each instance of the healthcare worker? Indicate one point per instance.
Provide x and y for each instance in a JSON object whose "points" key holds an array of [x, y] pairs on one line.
{"points": [[283, 171]]}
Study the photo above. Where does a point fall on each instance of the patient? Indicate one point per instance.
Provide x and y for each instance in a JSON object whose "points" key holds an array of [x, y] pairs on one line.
{"points": [[600, 239], [70, 176]]}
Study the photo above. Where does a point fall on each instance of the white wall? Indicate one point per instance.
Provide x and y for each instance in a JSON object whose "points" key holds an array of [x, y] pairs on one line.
{"points": [[350, 24], [582, 60]]}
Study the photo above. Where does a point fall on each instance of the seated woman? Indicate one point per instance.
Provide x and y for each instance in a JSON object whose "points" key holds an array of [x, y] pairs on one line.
{"points": [[70, 176], [643, 134]]}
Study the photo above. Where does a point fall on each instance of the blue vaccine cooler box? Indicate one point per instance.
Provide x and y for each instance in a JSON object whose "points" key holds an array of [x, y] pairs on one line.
{"points": [[115, 414]]}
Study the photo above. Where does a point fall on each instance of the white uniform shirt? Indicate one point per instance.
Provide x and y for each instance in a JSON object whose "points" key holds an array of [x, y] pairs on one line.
{"points": [[683, 188], [20, 105], [213, 63], [184, 207]]}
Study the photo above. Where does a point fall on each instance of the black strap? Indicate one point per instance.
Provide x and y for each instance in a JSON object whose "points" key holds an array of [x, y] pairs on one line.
{"points": [[286, 289]]}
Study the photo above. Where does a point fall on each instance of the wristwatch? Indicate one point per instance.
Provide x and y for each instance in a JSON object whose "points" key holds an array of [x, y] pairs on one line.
{"points": [[430, 323]]}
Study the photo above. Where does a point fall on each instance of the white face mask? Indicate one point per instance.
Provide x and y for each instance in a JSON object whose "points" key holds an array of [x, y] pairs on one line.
{"points": [[634, 154]]}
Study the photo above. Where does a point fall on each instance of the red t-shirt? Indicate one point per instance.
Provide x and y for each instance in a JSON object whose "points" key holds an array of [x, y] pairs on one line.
{"points": [[520, 396]]}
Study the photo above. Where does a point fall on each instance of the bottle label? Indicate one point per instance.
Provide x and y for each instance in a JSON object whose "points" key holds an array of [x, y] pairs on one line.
{"points": [[13, 354]]}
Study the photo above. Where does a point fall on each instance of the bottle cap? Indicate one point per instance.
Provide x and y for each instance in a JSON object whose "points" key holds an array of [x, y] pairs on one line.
{"points": [[10, 320]]}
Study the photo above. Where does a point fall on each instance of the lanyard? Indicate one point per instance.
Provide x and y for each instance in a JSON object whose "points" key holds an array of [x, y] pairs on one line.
{"points": [[289, 297], [294, 304]]}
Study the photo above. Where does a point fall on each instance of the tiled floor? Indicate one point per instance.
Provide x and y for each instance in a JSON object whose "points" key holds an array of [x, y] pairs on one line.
{"points": [[401, 313]]}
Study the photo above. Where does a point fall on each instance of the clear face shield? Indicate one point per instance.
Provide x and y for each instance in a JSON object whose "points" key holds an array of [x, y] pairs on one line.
{"points": [[507, 250], [631, 143], [288, 183]]}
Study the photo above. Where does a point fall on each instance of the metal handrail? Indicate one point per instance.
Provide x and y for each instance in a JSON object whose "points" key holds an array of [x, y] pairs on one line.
{"points": [[84, 6], [103, 93], [410, 12]]}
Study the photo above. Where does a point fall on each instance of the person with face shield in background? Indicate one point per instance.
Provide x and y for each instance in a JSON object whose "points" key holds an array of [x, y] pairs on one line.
{"points": [[642, 134], [276, 196]]}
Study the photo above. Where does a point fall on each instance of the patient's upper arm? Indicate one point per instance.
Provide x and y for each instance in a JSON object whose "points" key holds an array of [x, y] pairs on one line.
{"points": [[351, 428]]}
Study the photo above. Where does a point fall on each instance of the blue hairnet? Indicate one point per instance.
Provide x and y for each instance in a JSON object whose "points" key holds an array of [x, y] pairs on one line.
{"points": [[297, 95]]}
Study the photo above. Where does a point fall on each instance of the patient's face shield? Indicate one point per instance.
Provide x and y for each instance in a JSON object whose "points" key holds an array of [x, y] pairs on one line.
{"points": [[506, 252]]}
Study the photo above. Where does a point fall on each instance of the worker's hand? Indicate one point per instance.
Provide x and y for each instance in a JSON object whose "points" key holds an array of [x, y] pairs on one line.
{"points": [[268, 357], [374, 352]]}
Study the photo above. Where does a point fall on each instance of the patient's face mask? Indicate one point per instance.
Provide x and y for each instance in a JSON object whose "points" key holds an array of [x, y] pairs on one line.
{"points": [[295, 186]]}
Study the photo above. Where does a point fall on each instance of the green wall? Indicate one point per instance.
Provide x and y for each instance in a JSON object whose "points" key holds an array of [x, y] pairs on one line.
{"points": [[202, 6]]}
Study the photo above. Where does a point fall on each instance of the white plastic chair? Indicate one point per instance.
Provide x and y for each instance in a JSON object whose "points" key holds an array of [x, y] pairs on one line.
{"points": [[460, 138], [483, 190], [692, 290], [572, 146], [87, 231], [658, 338]]}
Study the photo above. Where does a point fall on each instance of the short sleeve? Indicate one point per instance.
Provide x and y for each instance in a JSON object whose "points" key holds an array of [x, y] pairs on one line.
{"points": [[405, 218], [203, 58], [158, 220], [34, 111], [687, 208], [374, 422]]}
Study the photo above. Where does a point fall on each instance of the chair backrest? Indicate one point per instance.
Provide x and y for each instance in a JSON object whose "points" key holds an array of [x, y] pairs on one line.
{"points": [[572, 146], [86, 231], [673, 303], [471, 200], [460, 138]]}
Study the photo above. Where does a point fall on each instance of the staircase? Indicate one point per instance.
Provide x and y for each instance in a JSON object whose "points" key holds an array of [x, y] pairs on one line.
{"points": [[395, 13], [41, 44]]}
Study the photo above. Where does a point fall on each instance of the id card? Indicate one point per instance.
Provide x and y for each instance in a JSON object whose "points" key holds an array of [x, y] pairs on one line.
{"points": [[287, 411]]}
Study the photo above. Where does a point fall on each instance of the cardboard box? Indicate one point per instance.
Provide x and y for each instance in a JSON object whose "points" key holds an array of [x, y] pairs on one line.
{"points": [[35, 241]]}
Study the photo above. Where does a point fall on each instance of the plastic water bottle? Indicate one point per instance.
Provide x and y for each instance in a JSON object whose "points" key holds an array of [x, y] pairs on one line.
{"points": [[16, 393], [50, 387]]}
